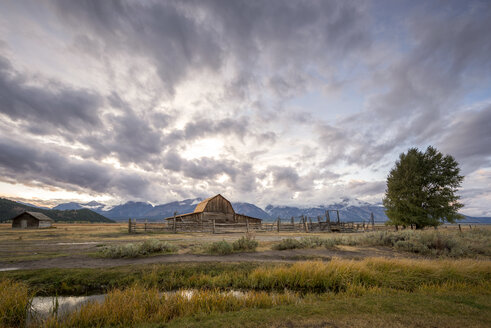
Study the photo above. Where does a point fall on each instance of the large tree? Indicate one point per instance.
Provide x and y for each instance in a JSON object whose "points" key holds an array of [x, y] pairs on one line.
{"points": [[421, 189]]}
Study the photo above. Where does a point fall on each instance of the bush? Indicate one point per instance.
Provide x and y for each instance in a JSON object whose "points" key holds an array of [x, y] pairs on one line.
{"points": [[288, 243], [246, 243], [220, 248], [134, 250], [306, 242]]}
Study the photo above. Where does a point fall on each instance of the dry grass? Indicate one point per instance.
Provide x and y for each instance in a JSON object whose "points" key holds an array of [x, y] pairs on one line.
{"points": [[15, 301], [138, 305]]}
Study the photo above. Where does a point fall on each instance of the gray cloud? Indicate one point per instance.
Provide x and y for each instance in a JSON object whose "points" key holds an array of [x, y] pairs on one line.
{"points": [[169, 35], [468, 139], [52, 106], [34, 163], [264, 66]]}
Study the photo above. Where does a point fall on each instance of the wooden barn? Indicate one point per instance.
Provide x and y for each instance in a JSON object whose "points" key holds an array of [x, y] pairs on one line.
{"points": [[215, 209], [31, 220]]}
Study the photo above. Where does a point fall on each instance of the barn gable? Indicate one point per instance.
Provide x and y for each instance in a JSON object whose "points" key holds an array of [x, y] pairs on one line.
{"points": [[214, 209], [216, 204]]}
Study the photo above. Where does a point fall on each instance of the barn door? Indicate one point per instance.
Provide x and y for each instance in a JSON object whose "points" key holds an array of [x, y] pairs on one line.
{"points": [[23, 223]]}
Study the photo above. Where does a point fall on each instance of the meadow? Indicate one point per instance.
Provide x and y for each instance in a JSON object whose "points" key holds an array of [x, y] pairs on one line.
{"points": [[409, 278]]}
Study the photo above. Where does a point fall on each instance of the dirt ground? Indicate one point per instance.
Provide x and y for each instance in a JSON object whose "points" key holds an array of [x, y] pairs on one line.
{"points": [[75, 246]]}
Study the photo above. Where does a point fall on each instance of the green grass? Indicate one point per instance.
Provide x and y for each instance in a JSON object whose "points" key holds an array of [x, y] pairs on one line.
{"points": [[343, 293], [445, 305], [378, 308], [334, 276]]}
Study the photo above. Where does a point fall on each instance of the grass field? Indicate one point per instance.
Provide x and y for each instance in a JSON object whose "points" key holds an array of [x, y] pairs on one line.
{"points": [[385, 279]]}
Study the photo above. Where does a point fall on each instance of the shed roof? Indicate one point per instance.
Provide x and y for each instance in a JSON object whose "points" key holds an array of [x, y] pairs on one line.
{"points": [[38, 216]]}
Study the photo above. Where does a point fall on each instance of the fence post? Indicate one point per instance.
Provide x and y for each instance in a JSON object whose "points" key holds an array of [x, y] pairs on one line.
{"points": [[470, 227], [310, 223], [129, 225], [460, 228], [373, 220], [278, 224], [247, 224], [213, 220], [328, 220], [337, 213], [146, 221], [174, 223]]}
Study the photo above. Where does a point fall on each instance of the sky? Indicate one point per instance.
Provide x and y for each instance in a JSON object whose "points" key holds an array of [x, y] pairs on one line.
{"points": [[268, 102]]}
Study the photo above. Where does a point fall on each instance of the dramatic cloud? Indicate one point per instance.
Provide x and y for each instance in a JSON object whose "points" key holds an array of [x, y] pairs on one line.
{"points": [[284, 102]]}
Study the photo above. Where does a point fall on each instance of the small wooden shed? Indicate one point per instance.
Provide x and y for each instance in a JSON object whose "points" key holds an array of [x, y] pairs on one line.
{"points": [[217, 209], [31, 220]]}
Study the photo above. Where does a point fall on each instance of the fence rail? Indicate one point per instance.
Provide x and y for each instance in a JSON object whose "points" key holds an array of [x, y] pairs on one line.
{"points": [[302, 224]]}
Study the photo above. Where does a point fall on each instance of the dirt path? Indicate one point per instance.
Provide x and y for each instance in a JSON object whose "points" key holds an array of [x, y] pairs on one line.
{"points": [[82, 261]]}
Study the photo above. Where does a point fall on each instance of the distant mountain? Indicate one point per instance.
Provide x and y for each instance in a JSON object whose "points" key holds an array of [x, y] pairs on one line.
{"points": [[68, 206], [349, 210], [168, 210], [9, 209], [250, 210], [129, 210]]}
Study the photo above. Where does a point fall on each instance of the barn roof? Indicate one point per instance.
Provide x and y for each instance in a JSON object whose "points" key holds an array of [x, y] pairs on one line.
{"points": [[201, 206], [38, 216]]}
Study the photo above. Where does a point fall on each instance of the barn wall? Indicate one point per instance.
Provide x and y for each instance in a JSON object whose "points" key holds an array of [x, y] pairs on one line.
{"points": [[218, 217], [31, 222], [44, 224], [219, 204], [243, 218]]}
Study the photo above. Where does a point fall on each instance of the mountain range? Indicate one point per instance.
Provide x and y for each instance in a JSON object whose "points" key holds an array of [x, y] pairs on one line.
{"points": [[349, 210]]}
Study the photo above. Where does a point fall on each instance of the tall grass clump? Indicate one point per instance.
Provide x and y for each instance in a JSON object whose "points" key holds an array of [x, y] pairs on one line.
{"points": [[147, 247], [245, 243], [138, 305], [340, 275], [305, 242], [15, 303], [220, 248]]}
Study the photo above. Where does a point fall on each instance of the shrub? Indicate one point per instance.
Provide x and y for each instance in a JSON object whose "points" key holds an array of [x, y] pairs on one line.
{"points": [[220, 248], [246, 243], [134, 250], [288, 243], [306, 242], [15, 302]]}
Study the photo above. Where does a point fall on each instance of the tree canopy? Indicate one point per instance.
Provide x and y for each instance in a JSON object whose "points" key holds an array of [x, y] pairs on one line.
{"points": [[421, 189]]}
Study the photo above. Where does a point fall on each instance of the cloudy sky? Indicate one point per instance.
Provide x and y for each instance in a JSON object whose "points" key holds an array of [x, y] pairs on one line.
{"points": [[281, 102]]}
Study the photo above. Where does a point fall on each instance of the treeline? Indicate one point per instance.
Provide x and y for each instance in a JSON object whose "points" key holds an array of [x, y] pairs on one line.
{"points": [[9, 209]]}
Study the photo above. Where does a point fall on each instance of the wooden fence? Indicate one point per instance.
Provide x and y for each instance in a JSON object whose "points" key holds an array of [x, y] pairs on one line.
{"points": [[191, 226], [299, 224]]}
